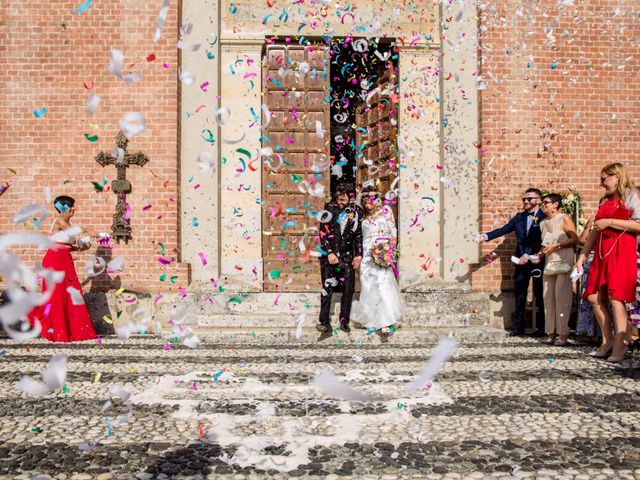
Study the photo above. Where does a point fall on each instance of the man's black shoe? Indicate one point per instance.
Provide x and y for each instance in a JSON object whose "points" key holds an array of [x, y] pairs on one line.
{"points": [[515, 334], [322, 328], [345, 327]]}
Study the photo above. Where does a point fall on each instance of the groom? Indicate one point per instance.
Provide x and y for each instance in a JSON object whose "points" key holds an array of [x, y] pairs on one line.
{"points": [[341, 242]]}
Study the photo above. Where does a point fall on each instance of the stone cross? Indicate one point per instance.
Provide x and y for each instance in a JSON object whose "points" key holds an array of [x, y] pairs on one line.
{"points": [[121, 227]]}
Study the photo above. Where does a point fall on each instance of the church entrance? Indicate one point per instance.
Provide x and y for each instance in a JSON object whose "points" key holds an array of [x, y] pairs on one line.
{"points": [[329, 115]]}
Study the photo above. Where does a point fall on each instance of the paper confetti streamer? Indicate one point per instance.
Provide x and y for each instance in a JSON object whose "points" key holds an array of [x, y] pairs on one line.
{"points": [[444, 349], [327, 381], [53, 377], [162, 17], [83, 8]]}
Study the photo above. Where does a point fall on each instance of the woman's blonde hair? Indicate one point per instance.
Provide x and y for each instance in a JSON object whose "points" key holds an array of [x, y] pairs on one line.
{"points": [[624, 180]]}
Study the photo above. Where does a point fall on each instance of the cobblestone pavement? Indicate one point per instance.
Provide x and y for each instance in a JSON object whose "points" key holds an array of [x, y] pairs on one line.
{"points": [[244, 408]]}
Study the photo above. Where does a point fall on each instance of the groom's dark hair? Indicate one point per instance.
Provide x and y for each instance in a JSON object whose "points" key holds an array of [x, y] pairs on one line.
{"points": [[344, 188]]}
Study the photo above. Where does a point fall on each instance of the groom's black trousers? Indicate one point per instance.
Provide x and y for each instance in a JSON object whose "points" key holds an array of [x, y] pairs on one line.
{"points": [[346, 276]]}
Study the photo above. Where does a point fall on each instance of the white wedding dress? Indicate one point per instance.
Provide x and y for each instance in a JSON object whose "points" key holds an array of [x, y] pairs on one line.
{"points": [[380, 303]]}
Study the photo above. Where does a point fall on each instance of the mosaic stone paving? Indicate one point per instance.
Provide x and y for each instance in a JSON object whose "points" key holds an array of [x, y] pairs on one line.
{"points": [[244, 408]]}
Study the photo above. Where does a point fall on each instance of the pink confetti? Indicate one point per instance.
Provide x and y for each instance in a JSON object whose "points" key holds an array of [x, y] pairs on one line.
{"points": [[157, 298], [167, 347], [166, 65], [47, 309], [165, 261], [203, 259], [275, 302], [182, 291], [127, 211], [131, 300], [204, 86], [146, 207]]}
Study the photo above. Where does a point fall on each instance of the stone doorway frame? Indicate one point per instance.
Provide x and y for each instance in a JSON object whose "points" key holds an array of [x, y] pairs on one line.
{"points": [[448, 227]]}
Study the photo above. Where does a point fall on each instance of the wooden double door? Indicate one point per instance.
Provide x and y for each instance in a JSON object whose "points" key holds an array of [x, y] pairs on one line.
{"points": [[296, 177]]}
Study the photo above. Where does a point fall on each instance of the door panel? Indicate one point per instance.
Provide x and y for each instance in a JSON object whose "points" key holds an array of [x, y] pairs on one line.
{"points": [[377, 129], [296, 103]]}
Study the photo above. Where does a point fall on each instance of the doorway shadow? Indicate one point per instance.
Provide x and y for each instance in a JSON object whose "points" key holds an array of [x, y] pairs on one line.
{"points": [[96, 298]]}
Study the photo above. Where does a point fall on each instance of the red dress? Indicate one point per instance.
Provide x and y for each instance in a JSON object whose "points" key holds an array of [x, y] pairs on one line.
{"points": [[615, 260], [61, 320]]}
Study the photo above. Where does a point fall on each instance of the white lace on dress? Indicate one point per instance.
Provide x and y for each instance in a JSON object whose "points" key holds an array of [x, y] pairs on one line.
{"points": [[380, 303]]}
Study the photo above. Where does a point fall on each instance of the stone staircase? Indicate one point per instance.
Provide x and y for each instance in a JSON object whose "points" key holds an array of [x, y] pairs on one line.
{"points": [[438, 305]]}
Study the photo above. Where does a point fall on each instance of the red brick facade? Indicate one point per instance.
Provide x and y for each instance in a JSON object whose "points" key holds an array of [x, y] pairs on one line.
{"points": [[562, 100], [554, 112], [47, 52]]}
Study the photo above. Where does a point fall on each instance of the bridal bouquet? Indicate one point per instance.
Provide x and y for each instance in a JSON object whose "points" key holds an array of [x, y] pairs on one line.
{"points": [[384, 254]]}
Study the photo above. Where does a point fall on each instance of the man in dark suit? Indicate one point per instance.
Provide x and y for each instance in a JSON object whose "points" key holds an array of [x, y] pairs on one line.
{"points": [[341, 242], [526, 226]]}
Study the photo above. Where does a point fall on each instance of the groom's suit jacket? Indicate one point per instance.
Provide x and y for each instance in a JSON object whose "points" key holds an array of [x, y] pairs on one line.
{"points": [[345, 241], [527, 242]]}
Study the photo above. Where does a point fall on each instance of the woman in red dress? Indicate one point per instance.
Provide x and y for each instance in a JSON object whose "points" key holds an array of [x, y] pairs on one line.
{"points": [[614, 270], [64, 317]]}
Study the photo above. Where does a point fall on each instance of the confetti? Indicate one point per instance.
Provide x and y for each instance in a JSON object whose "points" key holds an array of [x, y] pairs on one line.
{"points": [[83, 8], [53, 377], [162, 17], [41, 112]]}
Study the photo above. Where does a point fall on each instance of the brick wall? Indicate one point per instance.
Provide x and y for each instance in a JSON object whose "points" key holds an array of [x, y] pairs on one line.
{"points": [[562, 101], [47, 52]]}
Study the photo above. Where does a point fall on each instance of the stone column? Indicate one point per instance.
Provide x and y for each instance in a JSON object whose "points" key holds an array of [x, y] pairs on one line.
{"points": [[241, 168], [199, 205], [419, 146], [460, 175]]}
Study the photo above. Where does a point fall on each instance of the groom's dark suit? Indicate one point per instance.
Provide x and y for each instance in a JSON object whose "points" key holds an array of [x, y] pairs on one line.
{"points": [[529, 241], [342, 236]]}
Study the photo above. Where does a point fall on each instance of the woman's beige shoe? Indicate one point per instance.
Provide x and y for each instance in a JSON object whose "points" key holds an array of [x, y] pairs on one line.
{"points": [[599, 354]]}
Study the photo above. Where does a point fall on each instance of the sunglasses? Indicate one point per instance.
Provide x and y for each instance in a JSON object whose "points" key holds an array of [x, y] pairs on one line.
{"points": [[528, 199], [602, 179]]}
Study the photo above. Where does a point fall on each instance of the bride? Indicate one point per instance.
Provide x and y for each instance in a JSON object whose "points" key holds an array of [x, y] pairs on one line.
{"points": [[380, 303]]}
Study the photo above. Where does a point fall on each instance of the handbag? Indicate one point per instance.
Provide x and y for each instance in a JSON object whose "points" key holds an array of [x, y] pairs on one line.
{"points": [[557, 267]]}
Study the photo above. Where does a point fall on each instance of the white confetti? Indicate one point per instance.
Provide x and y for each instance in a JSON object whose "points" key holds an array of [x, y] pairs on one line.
{"points": [[119, 392], [29, 211], [53, 377], [116, 63], [187, 78], [444, 349], [117, 264], [327, 381], [133, 123], [162, 17], [92, 103], [205, 161], [76, 296], [191, 47], [299, 325]]}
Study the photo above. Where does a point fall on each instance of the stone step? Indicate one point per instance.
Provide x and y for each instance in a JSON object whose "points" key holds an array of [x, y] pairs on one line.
{"points": [[404, 334], [413, 319]]}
